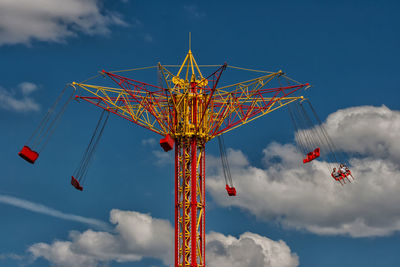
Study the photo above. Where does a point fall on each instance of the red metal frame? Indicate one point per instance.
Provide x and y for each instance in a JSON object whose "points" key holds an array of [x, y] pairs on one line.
{"points": [[189, 203], [193, 225], [249, 110], [177, 204]]}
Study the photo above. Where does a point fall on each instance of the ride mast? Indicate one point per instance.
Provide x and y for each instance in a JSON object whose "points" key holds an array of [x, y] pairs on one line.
{"points": [[189, 110]]}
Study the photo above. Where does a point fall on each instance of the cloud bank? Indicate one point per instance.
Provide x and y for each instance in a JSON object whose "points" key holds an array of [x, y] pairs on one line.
{"points": [[139, 236], [306, 197], [53, 20]]}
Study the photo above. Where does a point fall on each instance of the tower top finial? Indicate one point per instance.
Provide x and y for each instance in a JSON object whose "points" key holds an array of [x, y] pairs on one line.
{"points": [[191, 70], [190, 40]]}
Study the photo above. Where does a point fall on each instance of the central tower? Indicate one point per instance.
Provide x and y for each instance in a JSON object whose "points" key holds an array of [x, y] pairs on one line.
{"points": [[190, 136]]}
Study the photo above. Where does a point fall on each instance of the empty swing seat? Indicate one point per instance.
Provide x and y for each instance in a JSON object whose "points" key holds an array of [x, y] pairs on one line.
{"points": [[167, 143], [75, 183], [312, 155], [231, 190], [28, 154], [317, 152]]}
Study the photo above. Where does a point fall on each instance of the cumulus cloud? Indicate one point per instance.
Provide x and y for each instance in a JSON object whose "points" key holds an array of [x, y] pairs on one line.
{"points": [[249, 250], [53, 20], [366, 130], [138, 235], [19, 100], [306, 197], [39, 208]]}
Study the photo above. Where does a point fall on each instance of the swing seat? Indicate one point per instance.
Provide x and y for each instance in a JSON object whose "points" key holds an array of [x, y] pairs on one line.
{"points": [[344, 175], [28, 154], [167, 143], [312, 155], [317, 152], [231, 190], [336, 178], [75, 183]]}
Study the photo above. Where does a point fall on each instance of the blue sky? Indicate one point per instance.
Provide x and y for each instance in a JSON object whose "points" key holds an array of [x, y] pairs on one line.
{"points": [[347, 50]]}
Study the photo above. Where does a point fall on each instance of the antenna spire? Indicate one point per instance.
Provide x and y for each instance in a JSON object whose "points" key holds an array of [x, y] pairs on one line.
{"points": [[190, 40]]}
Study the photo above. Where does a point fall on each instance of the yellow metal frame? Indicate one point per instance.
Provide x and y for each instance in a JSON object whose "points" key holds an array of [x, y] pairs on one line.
{"points": [[228, 98]]}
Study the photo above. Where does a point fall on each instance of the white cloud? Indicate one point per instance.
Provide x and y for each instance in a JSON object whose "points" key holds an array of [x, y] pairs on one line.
{"points": [[135, 236], [12, 256], [138, 235], [39, 208], [306, 197], [367, 130], [10, 101], [52, 20], [162, 157], [149, 142], [59, 253], [150, 237], [249, 250], [27, 87]]}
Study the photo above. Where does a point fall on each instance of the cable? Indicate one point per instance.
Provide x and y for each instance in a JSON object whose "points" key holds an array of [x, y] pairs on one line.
{"points": [[47, 116], [81, 171], [298, 138], [46, 127], [50, 130], [224, 160]]}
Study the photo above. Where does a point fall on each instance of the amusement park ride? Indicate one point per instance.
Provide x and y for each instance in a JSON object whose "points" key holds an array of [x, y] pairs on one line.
{"points": [[187, 110]]}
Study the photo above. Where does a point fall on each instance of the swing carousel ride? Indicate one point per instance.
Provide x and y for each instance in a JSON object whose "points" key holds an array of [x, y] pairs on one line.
{"points": [[188, 110]]}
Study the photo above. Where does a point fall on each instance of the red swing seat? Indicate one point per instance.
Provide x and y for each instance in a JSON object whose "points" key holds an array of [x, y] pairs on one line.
{"points": [[336, 178], [345, 174], [75, 183], [167, 143], [28, 154], [312, 155], [231, 190]]}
